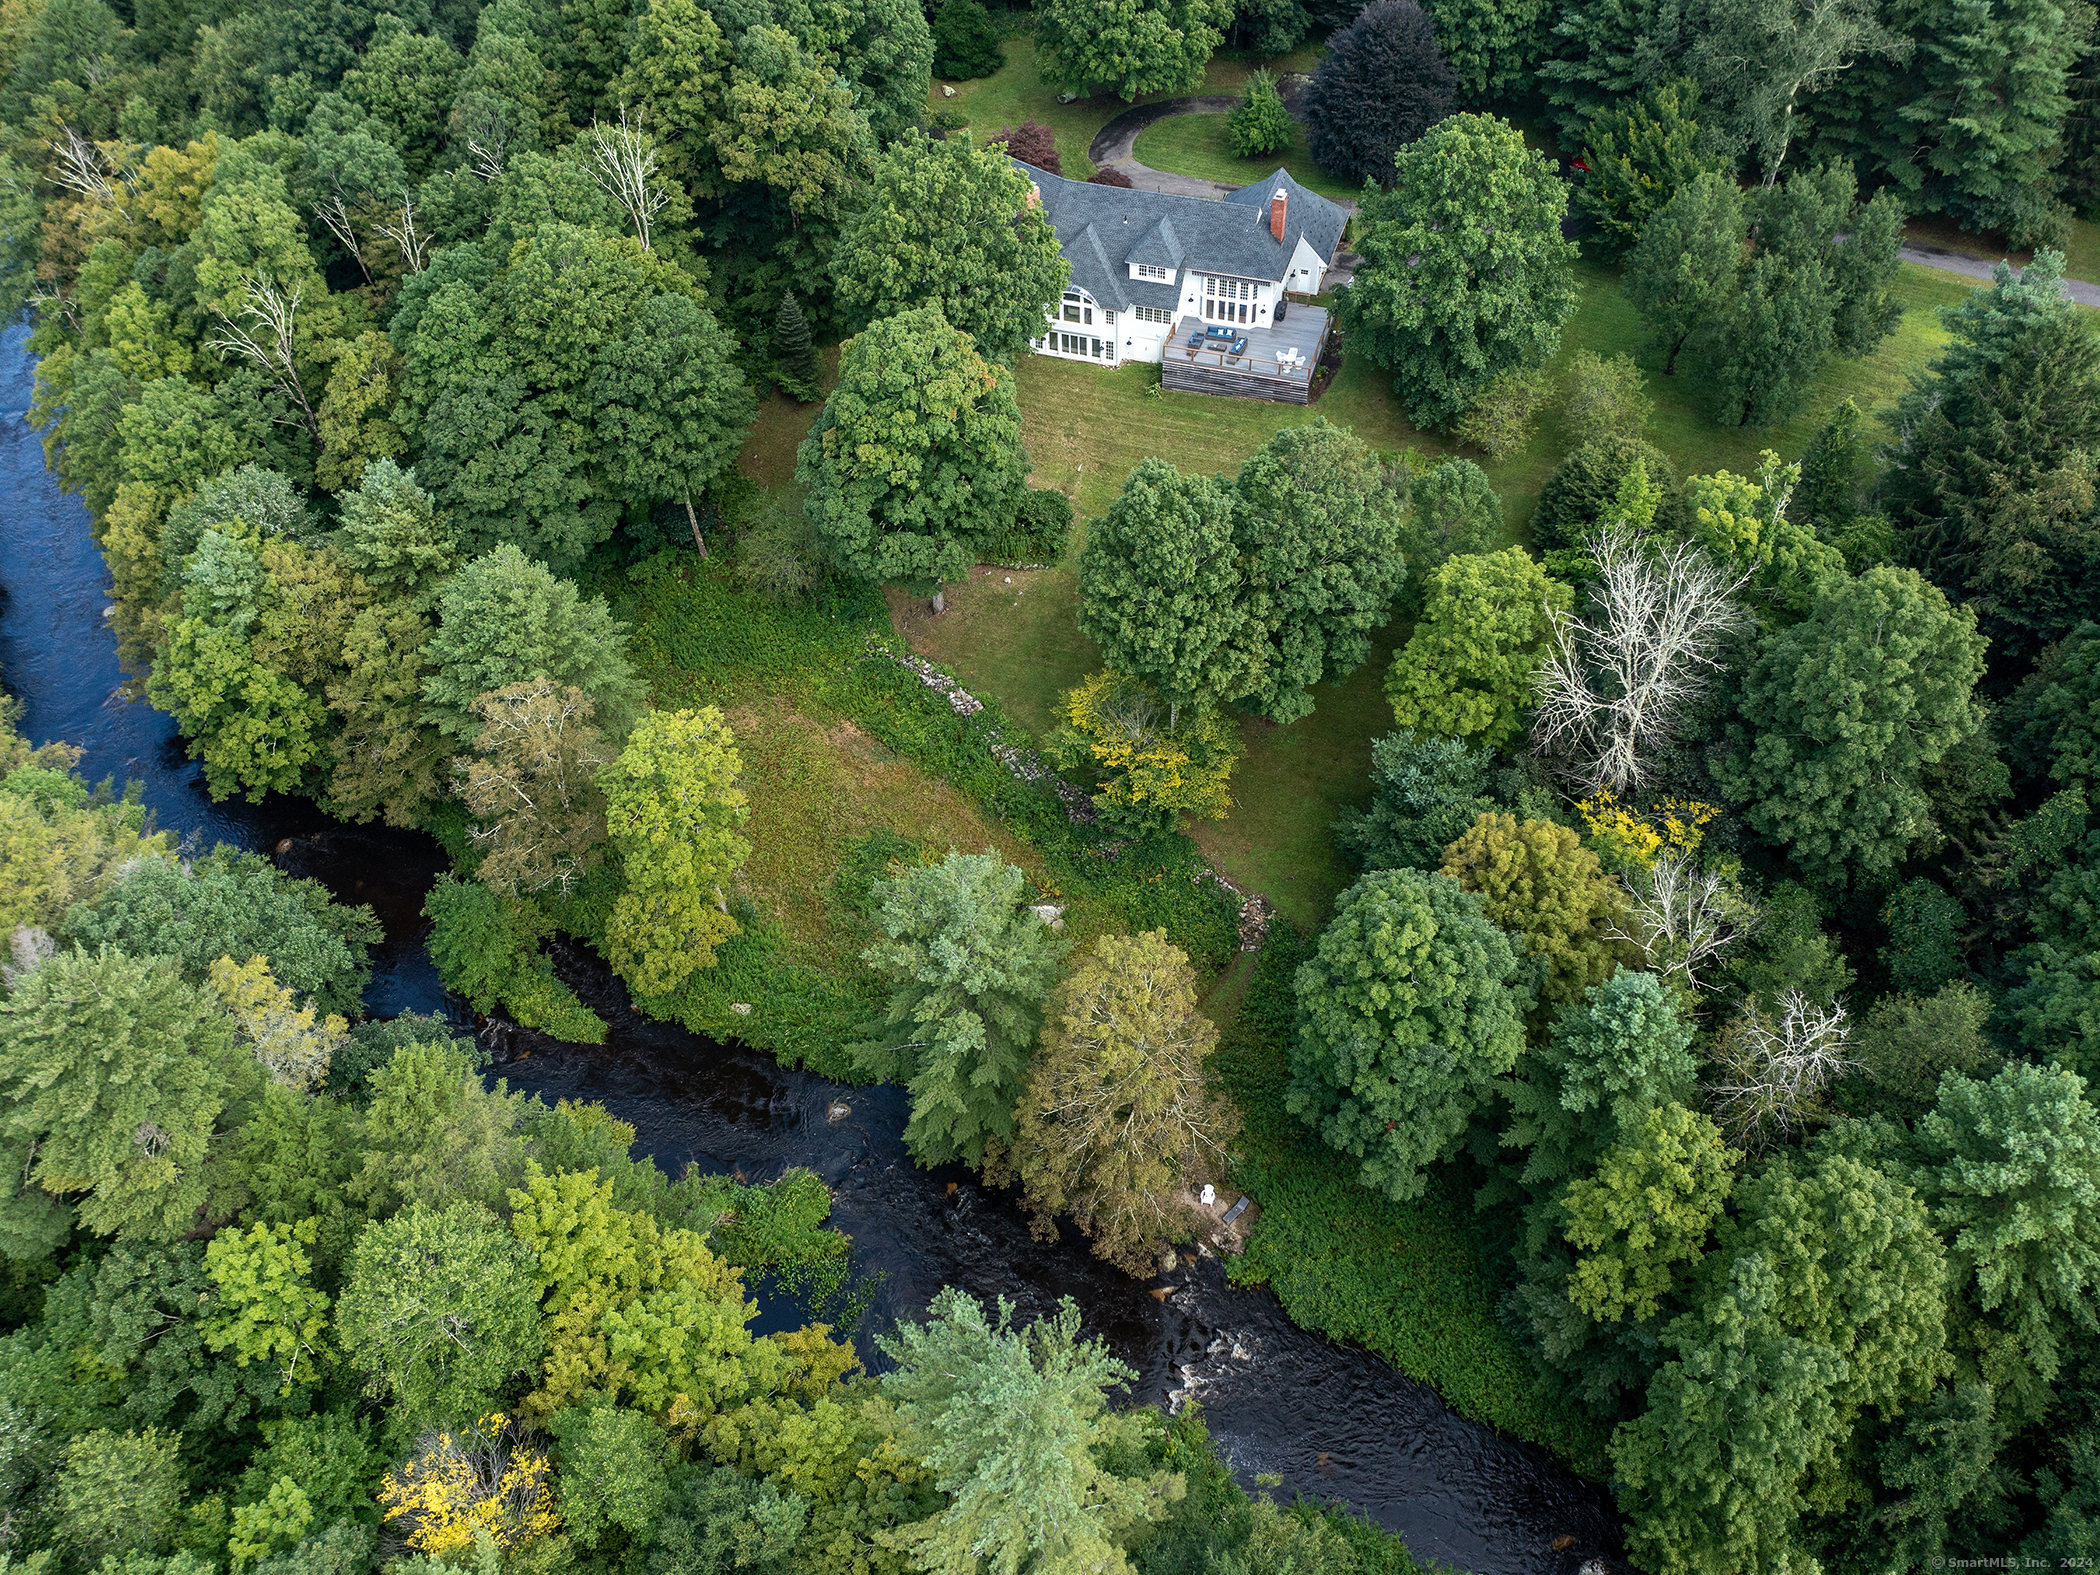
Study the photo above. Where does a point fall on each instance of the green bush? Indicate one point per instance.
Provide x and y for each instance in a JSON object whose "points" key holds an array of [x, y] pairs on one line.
{"points": [[965, 42], [487, 948], [1586, 483], [1261, 125], [1039, 531]]}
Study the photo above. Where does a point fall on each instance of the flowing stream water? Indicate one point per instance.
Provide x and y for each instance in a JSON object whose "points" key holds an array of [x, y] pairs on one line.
{"points": [[1332, 1420]]}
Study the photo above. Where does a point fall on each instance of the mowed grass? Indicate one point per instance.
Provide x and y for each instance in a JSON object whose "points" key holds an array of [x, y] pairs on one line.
{"points": [[2081, 248], [1017, 92], [1015, 636], [1197, 145]]}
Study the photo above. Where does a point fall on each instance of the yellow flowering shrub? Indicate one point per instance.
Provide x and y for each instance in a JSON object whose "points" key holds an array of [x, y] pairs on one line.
{"points": [[1626, 841], [1153, 763], [490, 1478]]}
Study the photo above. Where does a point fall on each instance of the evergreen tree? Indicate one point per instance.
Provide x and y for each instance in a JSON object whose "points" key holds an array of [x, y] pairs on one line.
{"points": [[795, 362], [1116, 1124], [1988, 480], [965, 43], [1381, 84], [1640, 152], [115, 1072], [968, 1392], [969, 967], [1261, 125], [1425, 792]]}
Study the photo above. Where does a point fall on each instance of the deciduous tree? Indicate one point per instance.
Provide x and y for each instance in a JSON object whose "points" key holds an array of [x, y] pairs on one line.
{"points": [[1842, 712], [672, 806], [1536, 880], [1116, 1125], [1644, 1217], [504, 618], [1686, 261], [439, 1310], [1319, 521], [532, 787], [1152, 46], [1162, 588], [1465, 275], [949, 224], [1409, 1008], [1469, 667], [916, 460]]}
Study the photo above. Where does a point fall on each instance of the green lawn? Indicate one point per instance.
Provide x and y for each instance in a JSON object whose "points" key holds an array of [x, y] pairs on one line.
{"points": [[1017, 92], [2081, 249], [1016, 636], [1196, 145]]}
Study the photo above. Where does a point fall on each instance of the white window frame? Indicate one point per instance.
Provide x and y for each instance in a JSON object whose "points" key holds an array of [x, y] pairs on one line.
{"points": [[1154, 271]]}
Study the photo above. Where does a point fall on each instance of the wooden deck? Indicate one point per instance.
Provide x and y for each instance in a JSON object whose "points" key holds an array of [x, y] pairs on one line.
{"points": [[1255, 374]]}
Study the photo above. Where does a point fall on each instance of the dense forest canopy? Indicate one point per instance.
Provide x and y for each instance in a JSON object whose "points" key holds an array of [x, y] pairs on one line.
{"points": [[1720, 936]]}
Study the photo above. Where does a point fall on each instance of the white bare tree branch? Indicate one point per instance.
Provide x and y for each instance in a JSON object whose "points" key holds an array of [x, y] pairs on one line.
{"points": [[1616, 685], [415, 246], [81, 168], [1775, 1069], [333, 212], [485, 159], [1680, 917], [264, 337], [622, 160]]}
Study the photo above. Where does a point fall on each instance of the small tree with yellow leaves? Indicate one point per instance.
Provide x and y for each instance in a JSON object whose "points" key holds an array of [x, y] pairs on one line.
{"points": [[489, 1479], [674, 809], [1153, 765], [290, 1045]]}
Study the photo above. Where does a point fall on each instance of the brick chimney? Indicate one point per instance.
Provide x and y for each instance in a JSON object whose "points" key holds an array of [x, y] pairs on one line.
{"points": [[1035, 194], [1277, 204]]}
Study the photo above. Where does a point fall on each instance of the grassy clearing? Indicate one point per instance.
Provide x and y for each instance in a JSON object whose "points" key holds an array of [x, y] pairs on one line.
{"points": [[1085, 428], [1196, 145], [1017, 92]]}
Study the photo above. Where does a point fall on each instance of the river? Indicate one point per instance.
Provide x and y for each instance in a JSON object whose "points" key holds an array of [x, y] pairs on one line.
{"points": [[1332, 1420]]}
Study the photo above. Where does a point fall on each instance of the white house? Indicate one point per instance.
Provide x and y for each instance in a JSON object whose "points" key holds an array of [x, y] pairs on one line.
{"points": [[1145, 261]]}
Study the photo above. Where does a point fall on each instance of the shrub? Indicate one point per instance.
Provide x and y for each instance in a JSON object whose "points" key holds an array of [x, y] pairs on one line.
{"points": [[1605, 398], [779, 554], [1109, 175], [1586, 484], [1504, 414], [1261, 125], [487, 948], [1041, 525], [1033, 143], [965, 42], [1151, 768]]}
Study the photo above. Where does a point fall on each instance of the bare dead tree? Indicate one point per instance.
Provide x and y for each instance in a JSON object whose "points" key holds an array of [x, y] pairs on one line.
{"points": [[1680, 917], [622, 160], [414, 244], [81, 168], [1777, 1066], [1615, 685], [485, 159], [335, 213], [265, 339]]}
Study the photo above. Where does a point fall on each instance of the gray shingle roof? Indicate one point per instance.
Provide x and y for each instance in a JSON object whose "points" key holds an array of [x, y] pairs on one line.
{"points": [[1104, 229]]}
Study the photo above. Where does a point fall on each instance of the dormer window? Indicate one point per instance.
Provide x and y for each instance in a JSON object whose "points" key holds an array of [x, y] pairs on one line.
{"points": [[1150, 271]]}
